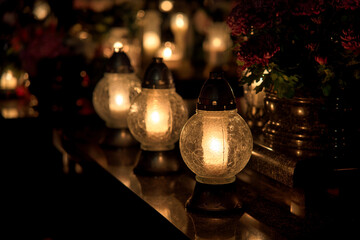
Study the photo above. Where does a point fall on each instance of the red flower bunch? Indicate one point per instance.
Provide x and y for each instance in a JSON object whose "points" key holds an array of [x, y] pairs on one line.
{"points": [[347, 4], [249, 15], [307, 7], [257, 51], [301, 45], [350, 41]]}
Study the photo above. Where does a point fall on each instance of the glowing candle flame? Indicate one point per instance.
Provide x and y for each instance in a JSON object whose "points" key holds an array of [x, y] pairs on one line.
{"points": [[118, 46], [215, 146], [167, 53], [8, 81], [166, 6], [151, 41], [157, 117]]}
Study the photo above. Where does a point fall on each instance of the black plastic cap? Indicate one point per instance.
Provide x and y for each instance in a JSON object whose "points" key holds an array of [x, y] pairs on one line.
{"points": [[216, 94], [119, 63], [158, 76]]}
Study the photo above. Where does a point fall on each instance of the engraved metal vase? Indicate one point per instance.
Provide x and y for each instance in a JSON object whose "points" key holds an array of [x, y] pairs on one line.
{"points": [[295, 125]]}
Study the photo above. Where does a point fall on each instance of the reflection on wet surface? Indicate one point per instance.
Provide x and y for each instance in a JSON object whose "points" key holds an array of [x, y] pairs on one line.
{"points": [[168, 194], [271, 209]]}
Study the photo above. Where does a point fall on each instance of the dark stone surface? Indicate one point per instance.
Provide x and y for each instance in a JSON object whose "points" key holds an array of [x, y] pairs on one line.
{"points": [[316, 206], [50, 193], [67, 187], [273, 164]]}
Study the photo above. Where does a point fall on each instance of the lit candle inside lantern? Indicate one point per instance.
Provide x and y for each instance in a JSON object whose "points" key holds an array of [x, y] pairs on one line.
{"points": [[214, 143], [157, 117], [119, 100], [217, 43], [151, 41], [41, 10], [167, 53], [118, 46], [179, 23], [8, 80], [171, 55], [166, 5], [9, 113], [152, 32]]}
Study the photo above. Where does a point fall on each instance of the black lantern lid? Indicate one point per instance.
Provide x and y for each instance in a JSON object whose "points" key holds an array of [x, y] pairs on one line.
{"points": [[119, 63], [216, 94], [158, 76]]}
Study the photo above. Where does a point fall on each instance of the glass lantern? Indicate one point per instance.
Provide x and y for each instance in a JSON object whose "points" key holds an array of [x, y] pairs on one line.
{"points": [[115, 91], [215, 143], [158, 113], [16, 100]]}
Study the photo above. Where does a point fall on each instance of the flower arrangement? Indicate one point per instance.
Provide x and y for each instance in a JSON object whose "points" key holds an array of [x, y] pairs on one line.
{"points": [[307, 46]]}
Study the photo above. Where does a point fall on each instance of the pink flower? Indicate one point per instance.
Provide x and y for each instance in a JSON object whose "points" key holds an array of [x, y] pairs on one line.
{"points": [[321, 60], [347, 4], [307, 7], [311, 46], [350, 40]]}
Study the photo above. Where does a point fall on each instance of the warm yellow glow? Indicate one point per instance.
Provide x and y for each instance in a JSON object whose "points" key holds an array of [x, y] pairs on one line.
{"points": [[41, 10], [119, 102], [151, 41], [83, 35], [166, 6], [118, 46], [157, 116], [167, 53], [300, 111], [170, 54], [107, 52], [9, 113], [216, 42], [272, 106], [215, 146], [218, 38], [179, 22], [8, 81], [140, 14]]}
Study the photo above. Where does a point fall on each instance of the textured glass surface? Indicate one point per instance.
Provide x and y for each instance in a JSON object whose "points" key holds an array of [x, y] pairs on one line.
{"points": [[216, 145], [112, 97], [156, 118]]}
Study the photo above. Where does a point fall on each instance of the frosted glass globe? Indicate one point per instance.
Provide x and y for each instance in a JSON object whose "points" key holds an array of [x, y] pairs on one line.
{"points": [[113, 95], [216, 145], [156, 118]]}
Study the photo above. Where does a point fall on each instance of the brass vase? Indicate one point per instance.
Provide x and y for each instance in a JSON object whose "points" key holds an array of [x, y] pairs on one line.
{"points": [[295, 125]]}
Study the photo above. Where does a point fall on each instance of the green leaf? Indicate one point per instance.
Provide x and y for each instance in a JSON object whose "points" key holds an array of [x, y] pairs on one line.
{"points": [[326, 89]]}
